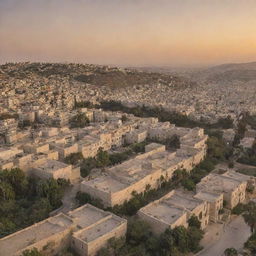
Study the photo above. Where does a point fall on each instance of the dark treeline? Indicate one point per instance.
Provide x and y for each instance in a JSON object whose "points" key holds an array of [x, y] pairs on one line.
{"points": [[141, 241], [26, 200], [162, 114], [103, 158]]}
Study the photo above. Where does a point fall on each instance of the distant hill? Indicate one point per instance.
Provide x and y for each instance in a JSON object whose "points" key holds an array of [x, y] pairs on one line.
{"points": [[113, 77], [242, 72]]}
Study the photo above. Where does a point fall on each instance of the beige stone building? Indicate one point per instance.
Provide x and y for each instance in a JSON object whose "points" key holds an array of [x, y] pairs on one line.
{"points": [[56, 170], [215, 202], [228, 184], [86, 230], [174, 209], [141, 172]]}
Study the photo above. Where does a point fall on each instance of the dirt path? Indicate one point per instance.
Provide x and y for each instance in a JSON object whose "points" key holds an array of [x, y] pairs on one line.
{"points": [[68, 200], [234, 234]]}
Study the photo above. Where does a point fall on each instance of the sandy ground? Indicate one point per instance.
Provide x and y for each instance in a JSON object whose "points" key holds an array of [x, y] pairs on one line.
{"points": [[219, 237]]}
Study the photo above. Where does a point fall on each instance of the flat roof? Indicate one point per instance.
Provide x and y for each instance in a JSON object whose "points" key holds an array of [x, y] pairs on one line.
{"points": [[218, 183], [87, 215], [183, 200], [106, 184], [20, 240], [207, 196], [163, 212], [52, 165], [99, 229]]}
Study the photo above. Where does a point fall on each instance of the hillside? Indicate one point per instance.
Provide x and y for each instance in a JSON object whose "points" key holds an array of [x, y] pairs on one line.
{"points": [[91, 74], [241, 72]]}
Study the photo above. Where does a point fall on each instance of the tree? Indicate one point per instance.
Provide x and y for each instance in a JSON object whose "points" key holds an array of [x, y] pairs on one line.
{"points": [[250, 215], [102, 158], [32, 252], [80, 120], [74, 158], [194, 222], [251, 244], [180, 236], [230, 252], [6, 191], [138, 232], [18, 180], [188, 184], [166, 241], [195, 235]]}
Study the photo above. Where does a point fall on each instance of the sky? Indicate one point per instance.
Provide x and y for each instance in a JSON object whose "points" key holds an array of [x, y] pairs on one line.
{"points": [[128, 32]]}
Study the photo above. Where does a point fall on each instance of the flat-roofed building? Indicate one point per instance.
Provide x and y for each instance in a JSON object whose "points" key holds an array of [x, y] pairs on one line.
{"points": [[162, 216], [56, 170], [233, 190], [174, 209], [136, 136], [54, 230], [95, 230], [85, 229], [215, 202]]}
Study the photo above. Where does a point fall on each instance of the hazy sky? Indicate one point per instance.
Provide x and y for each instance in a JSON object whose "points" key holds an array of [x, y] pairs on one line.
{"points": [[128, 32]]}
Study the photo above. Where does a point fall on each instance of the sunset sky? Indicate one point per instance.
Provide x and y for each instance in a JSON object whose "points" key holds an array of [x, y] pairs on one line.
{"points": [[128, 32]]}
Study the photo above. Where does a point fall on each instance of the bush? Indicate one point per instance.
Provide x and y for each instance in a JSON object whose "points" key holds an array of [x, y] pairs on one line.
{"points": [[74, 158], [32, 252], [230, 252], [80, 120], [188, 184], [239, 209]]}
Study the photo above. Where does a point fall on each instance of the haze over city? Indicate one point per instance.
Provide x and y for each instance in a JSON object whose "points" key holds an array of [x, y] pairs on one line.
{"points": [[127, 127], [133, 33]]}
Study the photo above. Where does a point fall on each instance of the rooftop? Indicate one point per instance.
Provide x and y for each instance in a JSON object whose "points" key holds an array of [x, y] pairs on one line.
{"points": [[87, 215], [51, 165], [163, 212], [100, 229], [33, 234]]}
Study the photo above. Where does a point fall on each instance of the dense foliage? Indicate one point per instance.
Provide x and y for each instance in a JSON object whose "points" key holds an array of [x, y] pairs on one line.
{"points": [[26, 200], [162, 114], [103, 158], [140, 241], [249, 156], [80, 120]]}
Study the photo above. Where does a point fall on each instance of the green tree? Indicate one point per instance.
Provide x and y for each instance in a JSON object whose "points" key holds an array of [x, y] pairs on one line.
{"points": [[194, 222], [6, 191], [180, 236], [32, 252], [230, 252], [102, 158], [80, 120], [250, 215], [251, 244], [195, 235], [188, 184], [138, 232]]}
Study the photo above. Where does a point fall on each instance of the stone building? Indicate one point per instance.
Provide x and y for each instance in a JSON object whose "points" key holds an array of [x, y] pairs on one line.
{"points": [[56, 170], [174, 209], [232, 188], [215, 202], [141, 172], [86, 230]]}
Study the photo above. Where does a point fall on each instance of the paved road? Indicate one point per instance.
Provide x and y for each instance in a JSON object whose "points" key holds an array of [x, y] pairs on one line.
{"points": [[234, 235]]}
